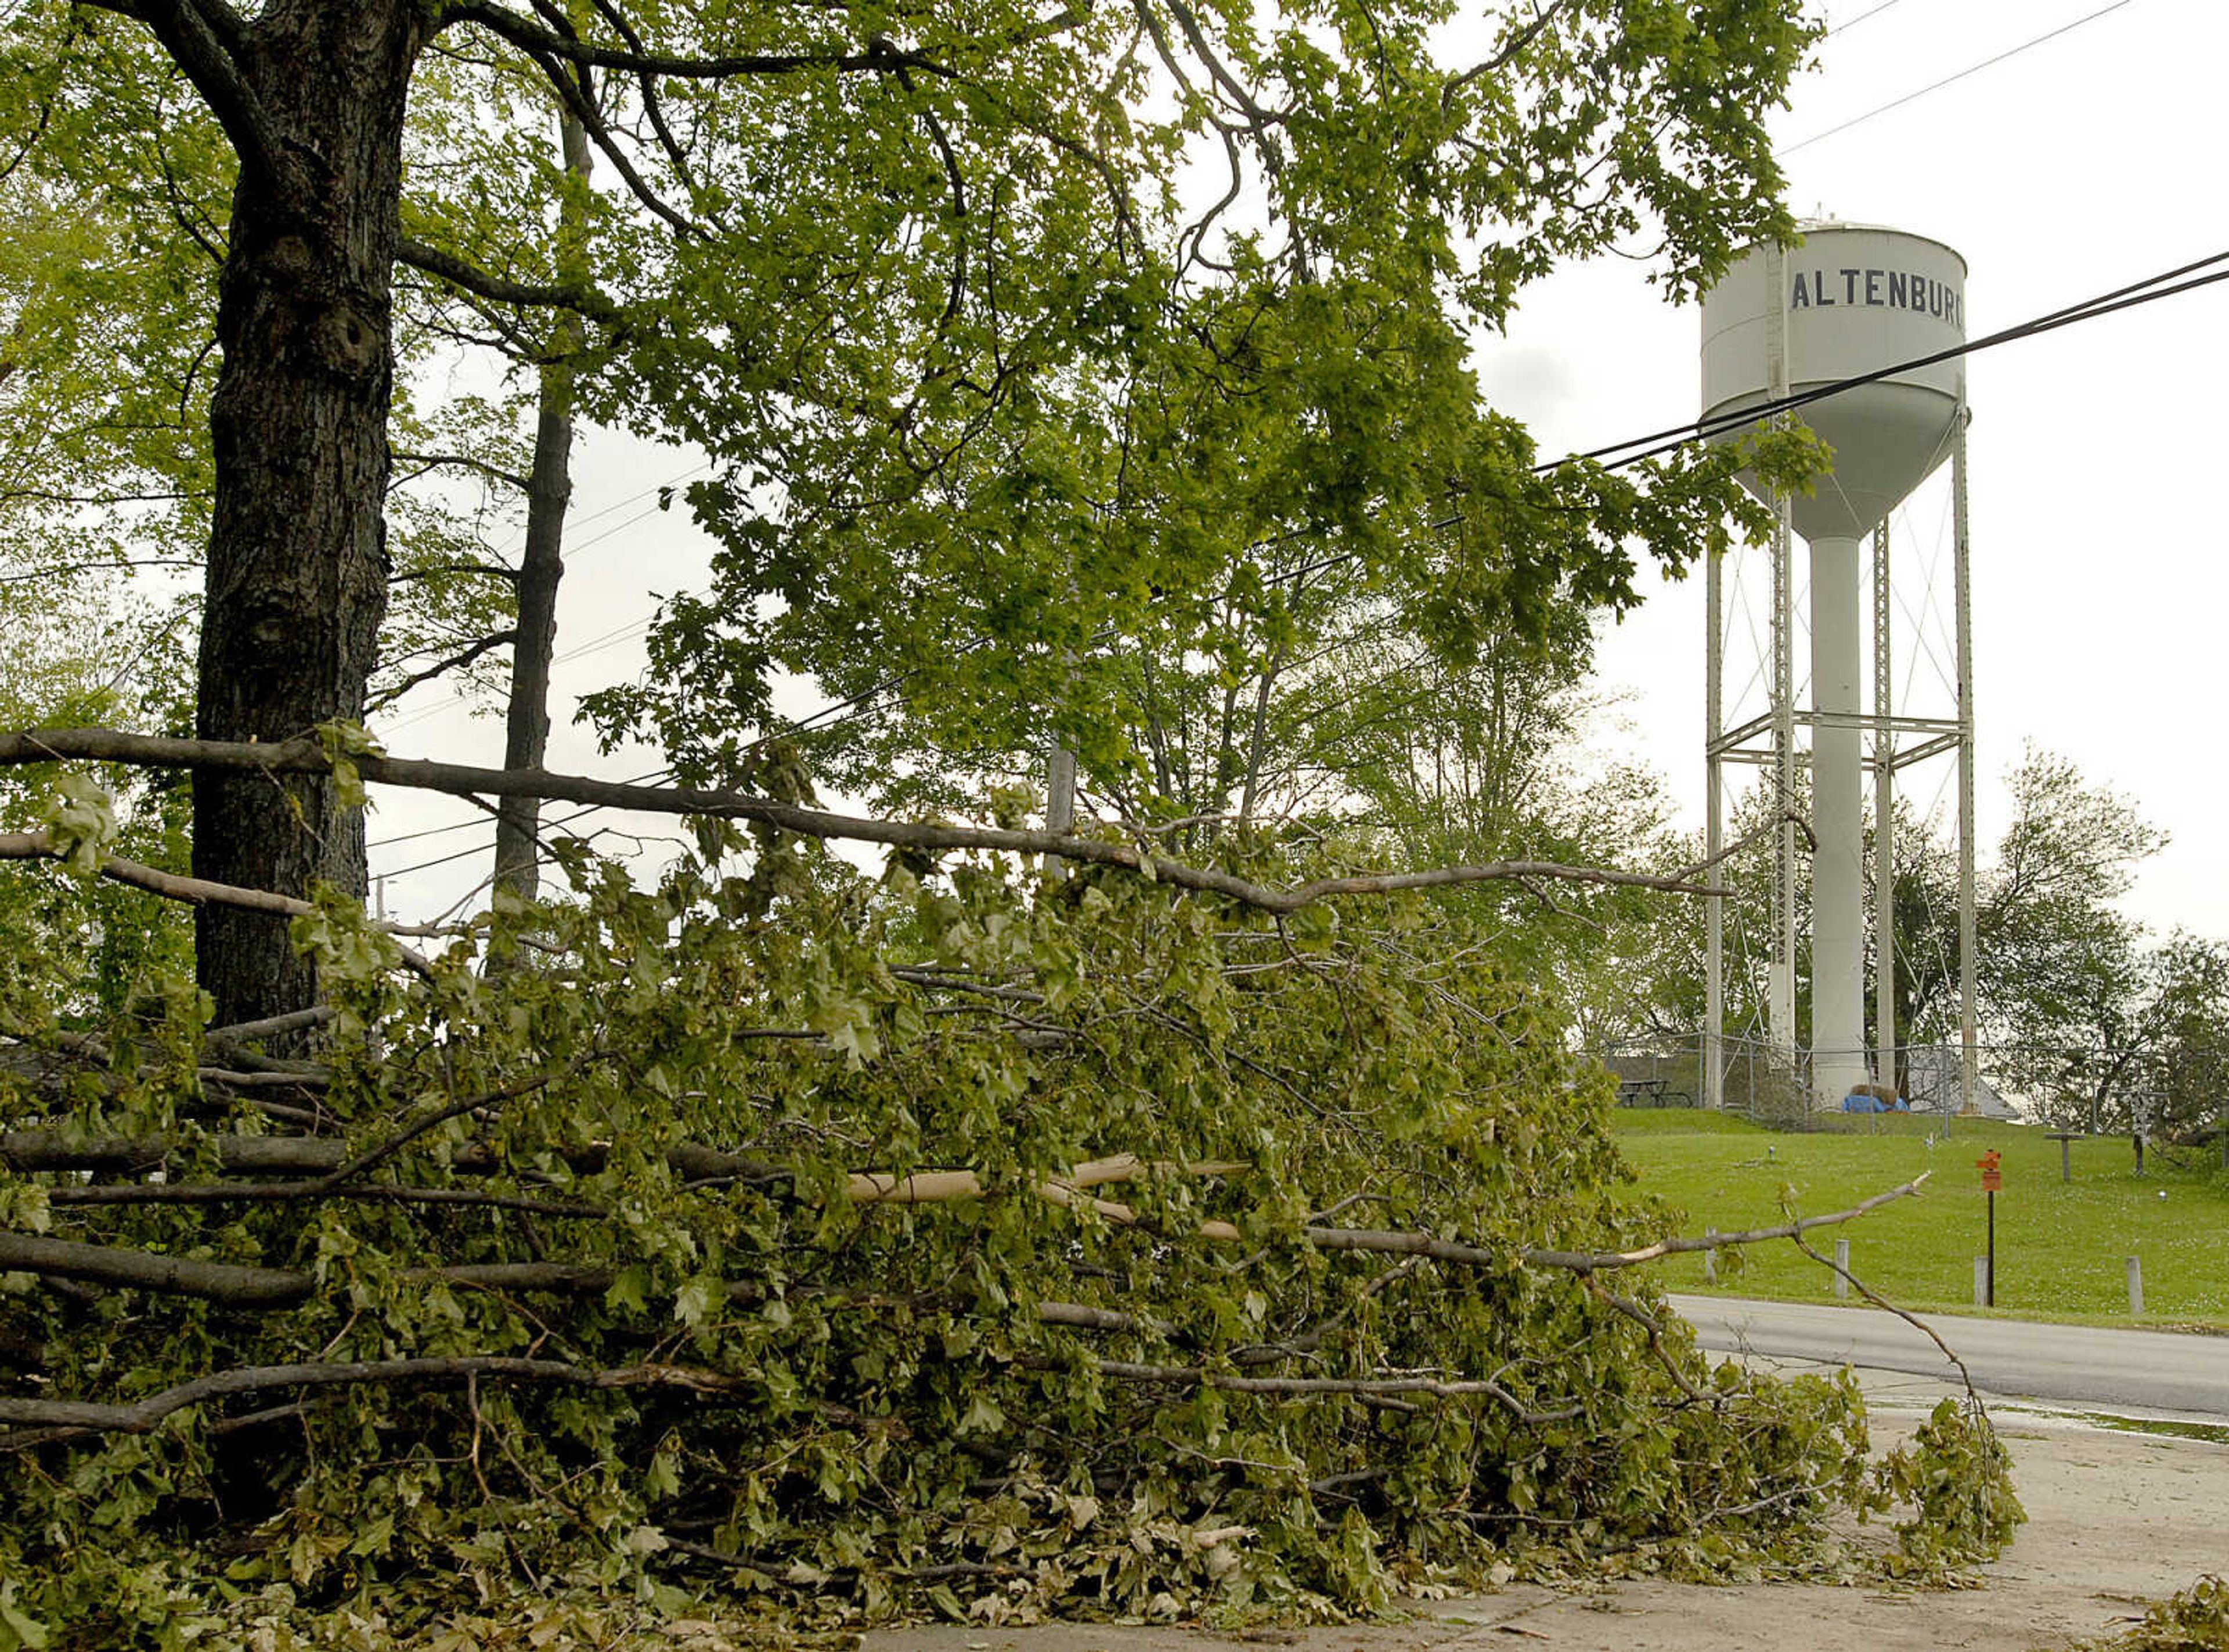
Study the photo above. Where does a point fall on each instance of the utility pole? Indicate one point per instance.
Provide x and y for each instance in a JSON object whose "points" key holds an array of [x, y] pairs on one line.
{"points": [[1060, 797]]}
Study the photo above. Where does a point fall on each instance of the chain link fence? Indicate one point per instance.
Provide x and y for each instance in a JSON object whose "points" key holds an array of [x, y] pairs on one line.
{"points": [[2152, 1098], [1763, 1082]]}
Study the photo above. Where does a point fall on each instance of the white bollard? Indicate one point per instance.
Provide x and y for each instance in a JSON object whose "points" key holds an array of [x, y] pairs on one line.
{"points": [[1841, 1267], [2136, 1284], [1710, 1258], [1980, 1282]]}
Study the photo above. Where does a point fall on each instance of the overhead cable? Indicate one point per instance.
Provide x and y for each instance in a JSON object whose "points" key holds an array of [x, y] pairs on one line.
{"points": [[1844, 28], [1948, 80], [2126, 297]]}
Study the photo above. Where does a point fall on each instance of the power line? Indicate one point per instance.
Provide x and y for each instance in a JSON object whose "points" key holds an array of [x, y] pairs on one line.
{"points": [[651, 778], [429, 832], [852, 708], [1949, 79], [1844, 28], [610, 639], [2125, 298]]}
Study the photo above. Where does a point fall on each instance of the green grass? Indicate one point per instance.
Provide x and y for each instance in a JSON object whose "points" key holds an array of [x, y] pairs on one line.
{"points": [[2061, 1247]]}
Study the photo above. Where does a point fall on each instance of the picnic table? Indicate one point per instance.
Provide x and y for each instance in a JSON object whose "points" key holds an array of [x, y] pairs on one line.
{"points": [[2065, 1138], [1651, 1092]]}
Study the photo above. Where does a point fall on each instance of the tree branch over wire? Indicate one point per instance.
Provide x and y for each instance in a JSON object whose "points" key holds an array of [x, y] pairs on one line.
{"points": [[456, 661], [434, 461], [305, 756]]}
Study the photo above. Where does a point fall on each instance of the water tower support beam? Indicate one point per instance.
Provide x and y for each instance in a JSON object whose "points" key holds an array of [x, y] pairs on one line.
{"points": [[1883, 823], [1969, 939], [1780, 1006]]}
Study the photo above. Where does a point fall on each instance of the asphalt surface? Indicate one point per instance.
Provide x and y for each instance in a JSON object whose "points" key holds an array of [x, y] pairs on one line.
{"points": [[2074, 1366]]}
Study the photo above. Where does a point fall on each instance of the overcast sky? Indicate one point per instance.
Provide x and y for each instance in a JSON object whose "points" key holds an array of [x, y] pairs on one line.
{"points": [[2078, 164]]}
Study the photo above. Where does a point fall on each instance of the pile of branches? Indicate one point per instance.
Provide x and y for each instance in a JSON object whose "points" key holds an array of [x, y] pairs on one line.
{"points": [[960, 1239]]}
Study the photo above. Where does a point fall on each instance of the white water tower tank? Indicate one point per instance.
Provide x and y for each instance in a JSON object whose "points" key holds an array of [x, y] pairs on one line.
{"points": [[1851, 299], [1858, 299]]}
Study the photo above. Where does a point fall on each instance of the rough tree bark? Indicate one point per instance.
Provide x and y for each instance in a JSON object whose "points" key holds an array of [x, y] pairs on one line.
{"points": [[312, 95]]}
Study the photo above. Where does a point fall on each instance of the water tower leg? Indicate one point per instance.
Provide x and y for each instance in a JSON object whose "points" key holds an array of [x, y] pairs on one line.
{"points": [[1838, 868], [1969, 1075]]}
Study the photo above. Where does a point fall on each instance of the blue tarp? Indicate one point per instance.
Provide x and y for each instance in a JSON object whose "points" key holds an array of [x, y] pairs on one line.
{"points": [[1857, 1103]]}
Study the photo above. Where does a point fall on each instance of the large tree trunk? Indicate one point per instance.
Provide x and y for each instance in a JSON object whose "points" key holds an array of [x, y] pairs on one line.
{"points": [[297, 579]]}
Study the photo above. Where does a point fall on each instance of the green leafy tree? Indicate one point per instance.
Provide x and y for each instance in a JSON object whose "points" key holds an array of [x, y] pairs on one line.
{"points": [[870, 255], [2190, 1013], [2063, 976]]}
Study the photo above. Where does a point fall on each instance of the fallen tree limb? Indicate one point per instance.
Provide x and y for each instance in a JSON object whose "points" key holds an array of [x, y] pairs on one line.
{"points": [[237, 1286], [305, 1155], [288, 1192], [142, 1416], [266, 1288], [246, 1286], [199, 891], [272, 1080], [562, 1279], [26, 1052], [272, 1027], [306, 755], [937, 1186], [331, 1178], [334, 1182], [1909, 1318], [1355, 1388], [216, 1282], [1606, 1261], [256, 1156]]}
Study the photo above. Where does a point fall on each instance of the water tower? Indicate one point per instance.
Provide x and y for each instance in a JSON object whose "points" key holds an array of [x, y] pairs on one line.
{"points": [[1849, 302]]}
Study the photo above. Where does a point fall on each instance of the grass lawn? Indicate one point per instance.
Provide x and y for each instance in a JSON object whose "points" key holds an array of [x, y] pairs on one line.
{"points": [[2062, 1248]]}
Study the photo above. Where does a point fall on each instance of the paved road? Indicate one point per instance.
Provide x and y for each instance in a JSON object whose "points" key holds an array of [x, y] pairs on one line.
{"points": [[2066, 1364]]}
